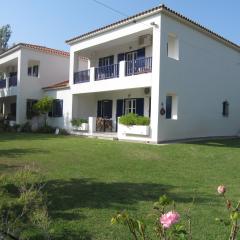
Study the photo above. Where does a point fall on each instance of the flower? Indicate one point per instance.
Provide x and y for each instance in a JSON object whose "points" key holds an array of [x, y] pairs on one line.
{"points": [[170, 218], [221, 189]]}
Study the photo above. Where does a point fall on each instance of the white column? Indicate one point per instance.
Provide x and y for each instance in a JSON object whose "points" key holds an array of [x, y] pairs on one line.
{"points": [[92, 74], [7, 82], [92, 125], [71, 66], [155, 104], [122, 66]]}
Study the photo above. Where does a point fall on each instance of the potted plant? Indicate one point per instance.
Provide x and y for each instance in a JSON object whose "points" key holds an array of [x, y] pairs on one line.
{"points": [[80, 124], [132, 124]]}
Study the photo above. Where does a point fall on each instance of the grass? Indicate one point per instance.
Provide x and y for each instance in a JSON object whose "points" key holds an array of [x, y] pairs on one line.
{"points": [[89, 180]]}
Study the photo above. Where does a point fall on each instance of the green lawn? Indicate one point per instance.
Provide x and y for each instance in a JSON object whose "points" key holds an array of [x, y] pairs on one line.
{"points": [[89, 180]]}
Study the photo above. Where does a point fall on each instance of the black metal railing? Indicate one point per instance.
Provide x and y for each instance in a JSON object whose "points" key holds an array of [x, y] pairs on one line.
{"points": [[106, 72], [12, 81], [82, 76], [2, 83], [138, 66]]}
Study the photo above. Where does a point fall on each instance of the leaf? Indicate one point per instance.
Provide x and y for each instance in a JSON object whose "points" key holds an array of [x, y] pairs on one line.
{"points": [[164, 200]]}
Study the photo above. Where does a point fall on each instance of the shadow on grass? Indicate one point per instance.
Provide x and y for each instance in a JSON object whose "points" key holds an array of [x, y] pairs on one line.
{"points": [[86, 193], [17, 152], [27, 136], [226, 143]]}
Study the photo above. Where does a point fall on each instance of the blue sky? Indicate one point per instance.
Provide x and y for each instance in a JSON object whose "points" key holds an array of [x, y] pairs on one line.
{"points": [[51, 22]]}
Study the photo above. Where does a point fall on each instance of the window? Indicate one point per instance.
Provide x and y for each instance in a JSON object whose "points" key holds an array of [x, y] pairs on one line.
{"points": [[225, 106], [33, 71], [171, 107], [130, 106], [30, 113], [173, 46], [106, 61], [57, 108]]}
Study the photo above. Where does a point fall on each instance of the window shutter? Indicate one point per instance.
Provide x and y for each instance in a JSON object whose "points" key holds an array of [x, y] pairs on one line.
{"points": [[141, 53], [140, 106], [121, 57], [169, 107], [120, 110], [99, 109], [111, 60]]}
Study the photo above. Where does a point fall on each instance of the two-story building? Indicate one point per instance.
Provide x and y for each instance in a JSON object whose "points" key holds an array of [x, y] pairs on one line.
{"points": [[159, 64], [24, 70]]}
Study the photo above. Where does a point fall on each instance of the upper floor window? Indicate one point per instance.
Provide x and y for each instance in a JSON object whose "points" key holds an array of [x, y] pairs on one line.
{"points": [[57, 108], [106, 61], [33, 68], [173, 46]]}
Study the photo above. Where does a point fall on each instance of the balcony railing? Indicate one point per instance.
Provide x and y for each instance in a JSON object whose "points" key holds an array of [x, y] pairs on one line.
{"points": [[2, 83], [106, 72], [138, 66], [82, 76], [13, 81]]}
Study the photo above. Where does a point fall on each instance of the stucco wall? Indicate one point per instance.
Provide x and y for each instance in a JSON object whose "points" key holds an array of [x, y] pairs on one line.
{"points": [[206, 74]]}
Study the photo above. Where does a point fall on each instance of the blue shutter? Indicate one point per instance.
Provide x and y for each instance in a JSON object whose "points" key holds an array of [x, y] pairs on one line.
{"points": [[121, 57], [141, 53], [169, 107], [120, 110], [99, 109], [140, 106]]}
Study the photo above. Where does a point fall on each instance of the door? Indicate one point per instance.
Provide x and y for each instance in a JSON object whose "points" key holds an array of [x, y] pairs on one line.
{"points": [[104, 109]]}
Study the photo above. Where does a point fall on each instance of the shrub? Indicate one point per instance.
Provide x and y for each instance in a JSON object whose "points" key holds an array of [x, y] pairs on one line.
{"points": [[26, 127], [134, 119], [77, 122], [46, 129]]}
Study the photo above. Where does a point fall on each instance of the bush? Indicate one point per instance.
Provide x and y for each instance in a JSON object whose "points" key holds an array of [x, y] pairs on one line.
{"points": [[26, 127], [77, 122], [134, 119], [46, 129]]}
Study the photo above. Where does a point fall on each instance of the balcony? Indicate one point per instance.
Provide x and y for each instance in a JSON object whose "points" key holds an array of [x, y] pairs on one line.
{"points": [[82, 76], [2, 83], [123, 69], [138, 66], [106, 72]]}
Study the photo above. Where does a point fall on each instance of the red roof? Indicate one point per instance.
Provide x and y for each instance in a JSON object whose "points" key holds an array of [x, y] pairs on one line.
{"points": [[63, 84], [37, 48]]}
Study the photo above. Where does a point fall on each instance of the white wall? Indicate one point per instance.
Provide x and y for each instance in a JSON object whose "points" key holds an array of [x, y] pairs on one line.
{"points": [[206, 74], [52, 69], [65, 120]]}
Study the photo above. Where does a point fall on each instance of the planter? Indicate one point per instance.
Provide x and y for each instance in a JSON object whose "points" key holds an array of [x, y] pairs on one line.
{"points": [[82, 127], [138, 130]]}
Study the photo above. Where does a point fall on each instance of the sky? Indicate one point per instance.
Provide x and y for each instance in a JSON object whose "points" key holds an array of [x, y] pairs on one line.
{"points": [[51, 22]]}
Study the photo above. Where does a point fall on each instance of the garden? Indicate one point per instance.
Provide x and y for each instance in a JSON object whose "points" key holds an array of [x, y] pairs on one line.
{"points": [[92, 189]]}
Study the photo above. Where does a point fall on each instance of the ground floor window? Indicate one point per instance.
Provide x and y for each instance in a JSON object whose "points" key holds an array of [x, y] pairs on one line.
{"points": [[171, 106], [130, 106], [57, 108]]}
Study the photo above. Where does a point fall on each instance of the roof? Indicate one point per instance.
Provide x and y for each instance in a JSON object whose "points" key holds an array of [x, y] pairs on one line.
{"points": [[37, 48], [60, 85], [163, 9]]}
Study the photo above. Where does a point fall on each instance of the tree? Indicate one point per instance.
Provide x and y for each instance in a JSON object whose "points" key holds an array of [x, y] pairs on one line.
{"points": [[5, 34], [43, 107]]}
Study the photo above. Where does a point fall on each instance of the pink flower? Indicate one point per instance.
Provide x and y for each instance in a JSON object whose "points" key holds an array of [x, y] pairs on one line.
{"points": [[221, 189], [170, 218]]}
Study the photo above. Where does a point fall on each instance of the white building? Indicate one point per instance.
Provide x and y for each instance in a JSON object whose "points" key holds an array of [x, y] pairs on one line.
{"points": [[160, 64], [25, 69]]}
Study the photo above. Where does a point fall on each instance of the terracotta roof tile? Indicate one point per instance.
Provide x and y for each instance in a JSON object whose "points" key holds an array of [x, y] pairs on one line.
{"points": [[63, 84], [37, 48]]}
